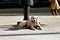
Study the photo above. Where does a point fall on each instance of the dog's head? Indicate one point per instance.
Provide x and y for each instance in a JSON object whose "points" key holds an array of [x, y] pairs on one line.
{"points": [[33, 19]]}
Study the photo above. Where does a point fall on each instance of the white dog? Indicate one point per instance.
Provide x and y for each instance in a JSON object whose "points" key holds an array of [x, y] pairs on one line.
{"points": [[30, 24]]}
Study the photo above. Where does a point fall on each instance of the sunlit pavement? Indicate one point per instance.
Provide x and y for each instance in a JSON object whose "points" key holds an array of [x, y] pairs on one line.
{"points": [[31, 37], [50, 29]]}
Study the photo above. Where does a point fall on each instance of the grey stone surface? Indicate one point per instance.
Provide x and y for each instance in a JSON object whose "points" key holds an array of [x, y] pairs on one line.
{"points": [[50, 29]]}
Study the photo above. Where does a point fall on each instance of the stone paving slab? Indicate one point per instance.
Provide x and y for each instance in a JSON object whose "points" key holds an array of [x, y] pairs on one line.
{"points": [[51, 24], [50, 29]]}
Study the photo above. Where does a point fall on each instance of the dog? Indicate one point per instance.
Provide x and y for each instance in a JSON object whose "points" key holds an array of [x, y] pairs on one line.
{"points": [[30, 24]]}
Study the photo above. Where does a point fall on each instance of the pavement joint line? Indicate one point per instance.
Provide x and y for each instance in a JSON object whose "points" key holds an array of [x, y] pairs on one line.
{"points": [[51, 33]]}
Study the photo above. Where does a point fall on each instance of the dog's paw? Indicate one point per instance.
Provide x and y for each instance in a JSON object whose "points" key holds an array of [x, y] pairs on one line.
{"points": [[39, 28]]}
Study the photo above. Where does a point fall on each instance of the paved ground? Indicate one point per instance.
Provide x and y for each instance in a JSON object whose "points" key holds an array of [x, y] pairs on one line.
{"points": [[32, 37], [50, 29], [48, 23], [51, 22]]}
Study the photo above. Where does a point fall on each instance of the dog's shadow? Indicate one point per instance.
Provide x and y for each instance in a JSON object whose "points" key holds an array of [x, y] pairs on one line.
{"points": [[43, 24], [13, 28]]}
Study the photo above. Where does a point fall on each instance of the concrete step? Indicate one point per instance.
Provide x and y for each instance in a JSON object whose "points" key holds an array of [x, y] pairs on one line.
{"points": [[32, 10]]}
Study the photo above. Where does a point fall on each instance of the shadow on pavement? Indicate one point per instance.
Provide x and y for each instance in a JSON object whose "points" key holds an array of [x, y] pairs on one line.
{"points": [[13, 28]]}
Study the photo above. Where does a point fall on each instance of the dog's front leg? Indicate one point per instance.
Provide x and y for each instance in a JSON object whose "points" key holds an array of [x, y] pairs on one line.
{"points": [[39, 26], [32, 28]]}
